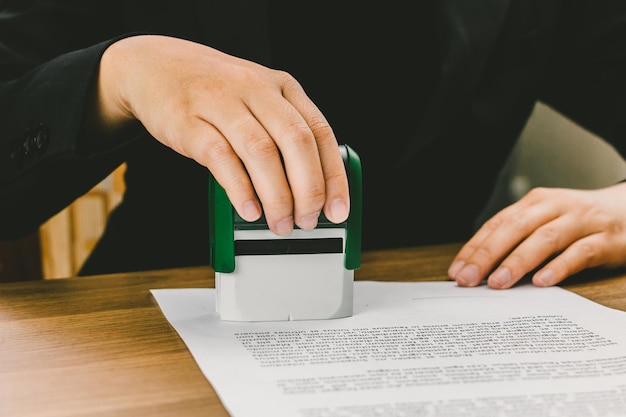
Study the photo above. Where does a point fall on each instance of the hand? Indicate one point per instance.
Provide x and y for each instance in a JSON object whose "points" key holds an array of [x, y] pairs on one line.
{"points": [[233, 116], [570, 229]]}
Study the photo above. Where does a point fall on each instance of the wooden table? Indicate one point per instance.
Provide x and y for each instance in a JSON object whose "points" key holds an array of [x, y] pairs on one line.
{"points": [[100, 346]]}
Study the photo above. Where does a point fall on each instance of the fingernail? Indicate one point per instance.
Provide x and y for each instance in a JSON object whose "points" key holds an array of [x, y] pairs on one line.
{"points": [[467, 276], [544, 278], [309, 222], [285, 226], [338, 210], [455, 268], [250, 211], [500, 278]]}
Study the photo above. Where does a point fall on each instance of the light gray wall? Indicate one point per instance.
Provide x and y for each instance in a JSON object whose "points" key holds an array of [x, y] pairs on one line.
{"points": [[552, 151]]}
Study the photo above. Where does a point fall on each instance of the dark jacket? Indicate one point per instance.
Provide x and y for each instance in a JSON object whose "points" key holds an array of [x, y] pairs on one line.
{"points": [[432, 100]]}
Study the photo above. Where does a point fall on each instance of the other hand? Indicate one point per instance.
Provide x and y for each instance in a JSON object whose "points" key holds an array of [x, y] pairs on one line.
{"points": [[557, 231]]}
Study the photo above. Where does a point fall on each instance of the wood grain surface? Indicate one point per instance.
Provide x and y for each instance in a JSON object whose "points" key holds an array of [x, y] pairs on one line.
{"points": [[100, 346]]}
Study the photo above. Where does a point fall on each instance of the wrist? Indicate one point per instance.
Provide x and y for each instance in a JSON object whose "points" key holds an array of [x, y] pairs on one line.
{"points": [[111, 106]]}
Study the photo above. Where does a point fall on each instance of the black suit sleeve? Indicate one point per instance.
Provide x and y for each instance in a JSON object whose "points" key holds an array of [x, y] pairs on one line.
{"points": [[48, 67]]}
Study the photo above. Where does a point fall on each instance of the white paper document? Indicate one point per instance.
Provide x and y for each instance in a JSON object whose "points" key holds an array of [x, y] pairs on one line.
{"points": [[429, 349]]}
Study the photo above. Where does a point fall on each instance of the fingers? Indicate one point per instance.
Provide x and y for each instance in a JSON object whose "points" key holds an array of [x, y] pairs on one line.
{"points": [[262, 160], [297, 192], [211, 148], [496, 239], [546, 240], [605, 248], [336, 199], [247, 163], [580, 255], [287, 158], [556, 232], [289, 153]]}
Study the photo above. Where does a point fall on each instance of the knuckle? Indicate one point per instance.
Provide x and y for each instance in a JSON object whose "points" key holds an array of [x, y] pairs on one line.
{"points": [[240, 183], [492, 224], [216, 155], [549, 236], [259, 145], [536, 193], [315, 196], [299, 134], [279, 203], [320, 127], [616, 227], [284, 199], [287, 80], [606, 220], [470, 247], [333, 176], [587, 253], [518, 222], [540, 193], [484, 253], [549, 196], [249, 75], [217, 151]]}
